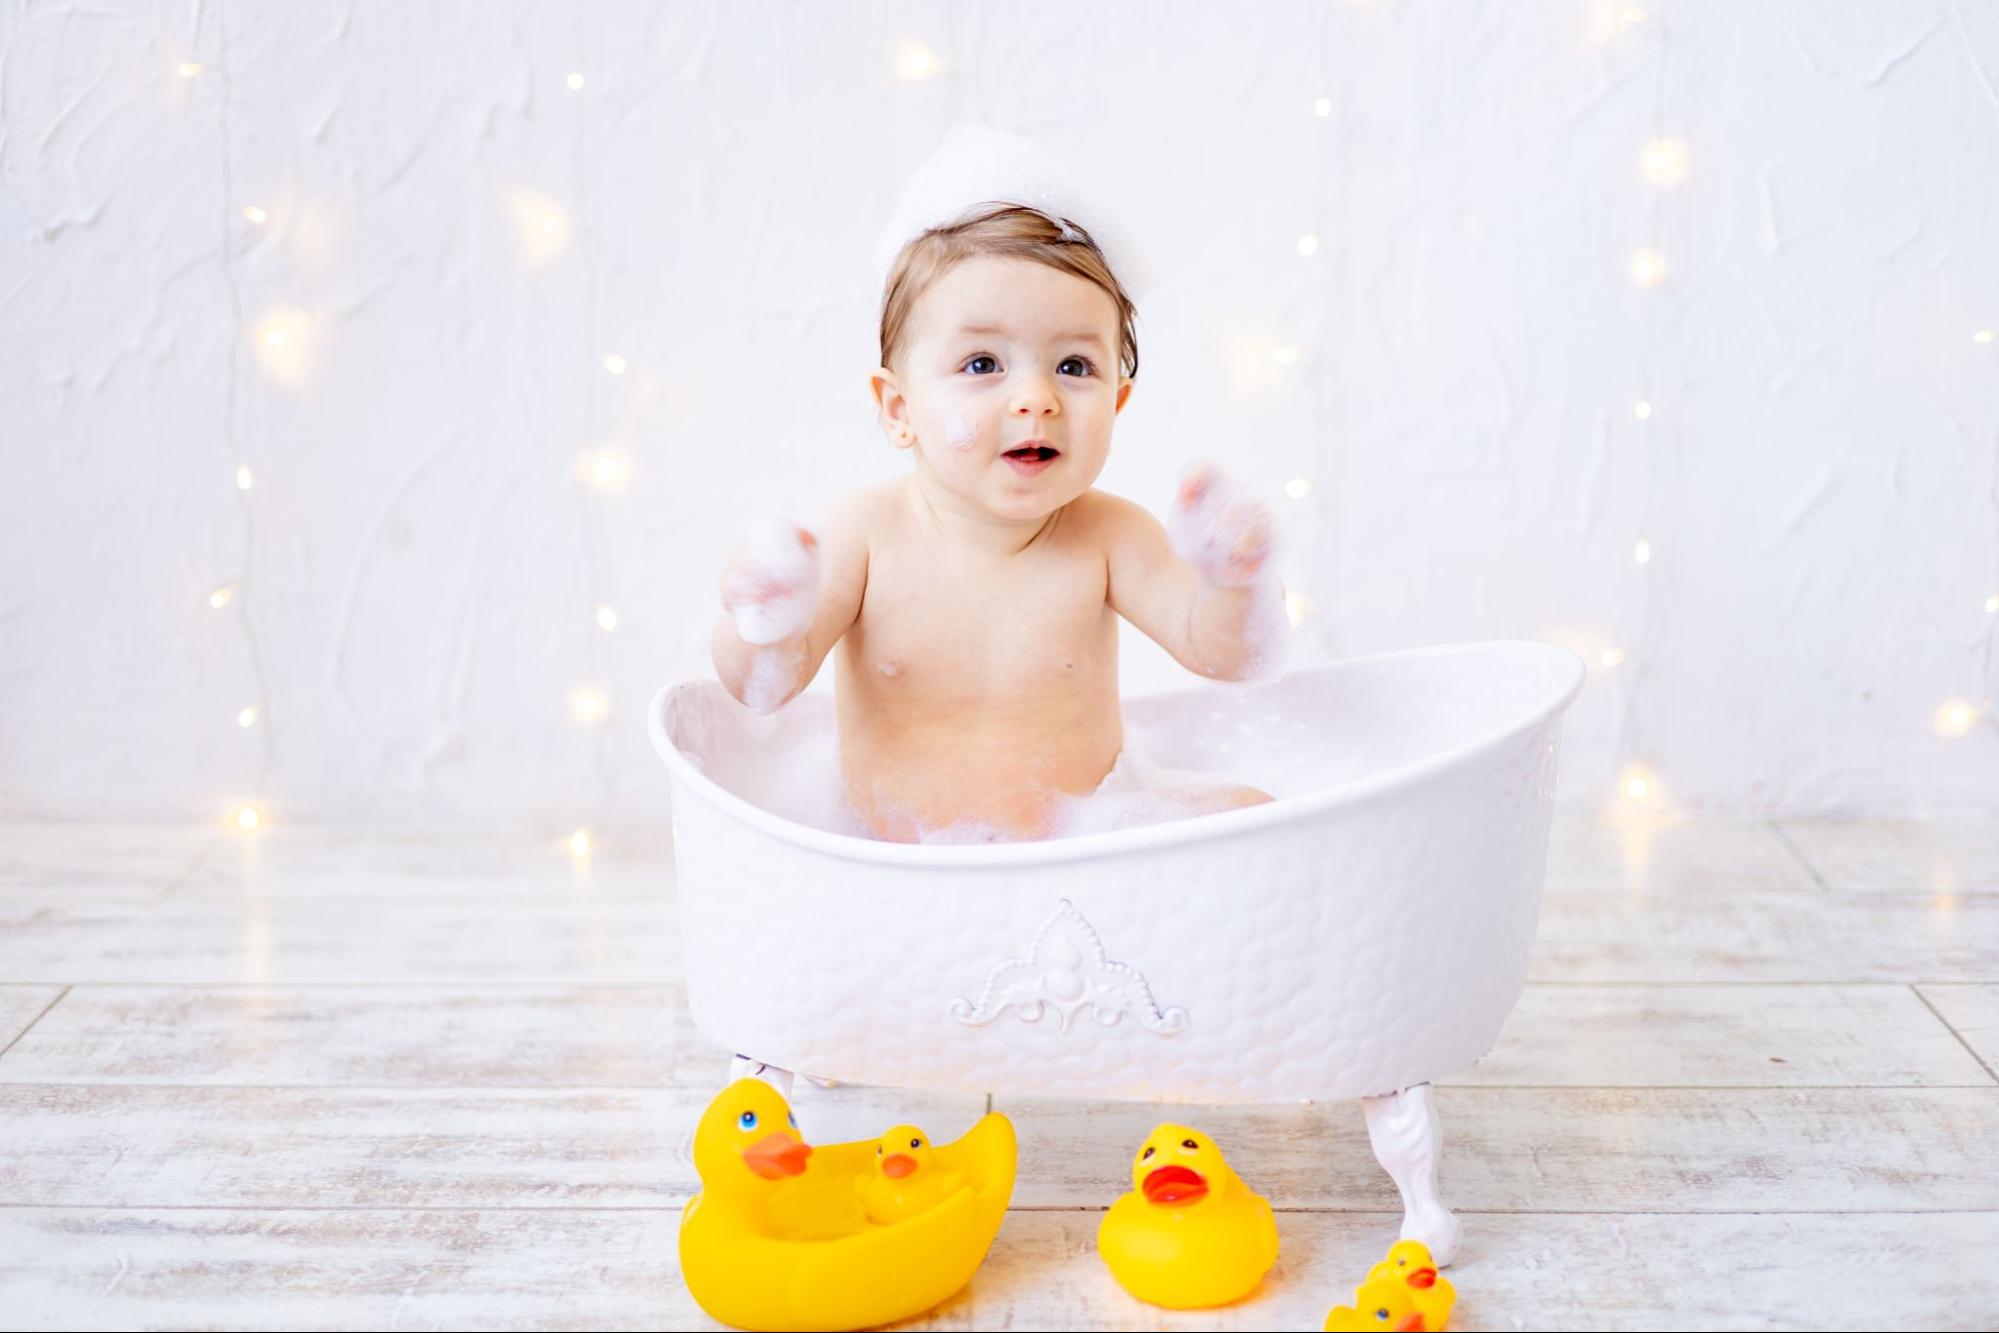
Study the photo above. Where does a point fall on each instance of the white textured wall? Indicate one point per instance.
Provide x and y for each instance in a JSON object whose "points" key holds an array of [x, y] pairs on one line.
{"points": [[420, 566]]}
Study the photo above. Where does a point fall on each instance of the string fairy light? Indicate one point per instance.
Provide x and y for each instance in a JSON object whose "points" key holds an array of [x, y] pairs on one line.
{"points": [[608, 471], [1664, 163], [1953, 718], [1309, 485], [279, 343], [916, 62]]}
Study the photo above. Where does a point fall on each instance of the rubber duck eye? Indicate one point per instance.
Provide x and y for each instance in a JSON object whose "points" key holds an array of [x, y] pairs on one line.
{"points": [[1149, 1150], [791, 1119], [748, 1120], [1382, 1314], [916, 1143], [878, 1150], [1190, 1145]]}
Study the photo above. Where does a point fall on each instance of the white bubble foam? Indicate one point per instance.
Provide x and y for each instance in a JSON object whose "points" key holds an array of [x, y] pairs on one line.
{"points": [[776, 550]]}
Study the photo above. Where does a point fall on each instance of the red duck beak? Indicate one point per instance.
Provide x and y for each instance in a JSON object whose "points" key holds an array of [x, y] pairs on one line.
{"points": [[775, 1156], [1411, 1324], [897, 1165], [1424, 1278], [1174, 1184]]}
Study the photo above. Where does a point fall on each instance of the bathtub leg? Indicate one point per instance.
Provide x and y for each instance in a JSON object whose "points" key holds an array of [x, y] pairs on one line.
{"points": [[1403, 1129], [741, 1066]]}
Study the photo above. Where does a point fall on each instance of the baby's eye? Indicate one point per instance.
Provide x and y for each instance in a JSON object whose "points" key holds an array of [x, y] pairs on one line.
{"points": [[980, 357], [1089, 367]]}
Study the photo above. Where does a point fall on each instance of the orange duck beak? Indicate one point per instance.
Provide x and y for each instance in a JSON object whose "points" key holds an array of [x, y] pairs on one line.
{"points": [[775, 1156], [897, 1165], [1174, 1184]]}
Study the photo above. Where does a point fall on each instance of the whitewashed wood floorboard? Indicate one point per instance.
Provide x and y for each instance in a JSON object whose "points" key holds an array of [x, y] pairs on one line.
{"points": [[1526, 1149], [390, 1036], [341, 1077], [566, 1268], [1973, 1015], [1944, 856]]}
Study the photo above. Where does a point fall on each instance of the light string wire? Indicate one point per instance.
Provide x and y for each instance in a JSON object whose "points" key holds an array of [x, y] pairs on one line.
{"points": [[1324, 548], [589, 370], [1630, 748], [245, 589]]}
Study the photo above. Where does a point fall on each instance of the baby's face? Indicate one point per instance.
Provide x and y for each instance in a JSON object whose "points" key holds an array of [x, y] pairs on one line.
{"points": [[1001, 352]]}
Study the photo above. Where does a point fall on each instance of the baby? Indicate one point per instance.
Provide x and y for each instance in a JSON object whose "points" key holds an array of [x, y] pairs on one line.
{"points": [[975, 601]]}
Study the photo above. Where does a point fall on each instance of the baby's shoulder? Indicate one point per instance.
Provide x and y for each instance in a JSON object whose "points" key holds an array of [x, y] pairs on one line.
{"points": [[1108, 519], [856, 513]]}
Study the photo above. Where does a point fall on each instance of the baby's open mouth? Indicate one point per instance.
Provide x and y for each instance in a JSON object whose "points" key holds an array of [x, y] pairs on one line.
{"points": [[1032, 453]]}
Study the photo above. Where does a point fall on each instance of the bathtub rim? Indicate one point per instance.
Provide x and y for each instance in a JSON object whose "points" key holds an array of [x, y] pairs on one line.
{"points": [[1092, 846]]}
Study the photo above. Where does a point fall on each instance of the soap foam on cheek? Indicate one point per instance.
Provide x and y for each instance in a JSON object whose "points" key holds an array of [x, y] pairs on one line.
{"points": [[961, 429]]}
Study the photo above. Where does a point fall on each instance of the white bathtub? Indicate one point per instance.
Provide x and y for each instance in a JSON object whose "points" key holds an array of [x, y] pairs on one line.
{"points": [[1365, 933]]}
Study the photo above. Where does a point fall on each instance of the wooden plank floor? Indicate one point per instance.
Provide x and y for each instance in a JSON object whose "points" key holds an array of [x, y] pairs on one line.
{"points": [[334, 1077]]}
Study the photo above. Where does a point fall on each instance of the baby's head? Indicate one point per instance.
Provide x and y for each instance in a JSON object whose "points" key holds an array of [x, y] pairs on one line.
{"points": [[1004, 327]]}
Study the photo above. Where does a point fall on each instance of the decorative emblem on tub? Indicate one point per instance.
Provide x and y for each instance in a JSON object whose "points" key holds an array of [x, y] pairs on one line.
{"points": [[1066, 970]]}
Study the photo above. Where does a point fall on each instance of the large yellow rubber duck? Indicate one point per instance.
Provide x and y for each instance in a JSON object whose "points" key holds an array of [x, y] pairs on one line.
{"points": [[1190, 1234], [779, 1236], [907, 1178], [1403, 1291]]}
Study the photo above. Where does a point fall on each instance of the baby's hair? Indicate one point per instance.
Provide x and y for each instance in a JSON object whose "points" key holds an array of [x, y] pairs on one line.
{"points": [[1004, 231]]}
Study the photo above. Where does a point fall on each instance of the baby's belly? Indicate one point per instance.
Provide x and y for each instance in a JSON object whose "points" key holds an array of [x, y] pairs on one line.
{"points": [[1004, 764]]}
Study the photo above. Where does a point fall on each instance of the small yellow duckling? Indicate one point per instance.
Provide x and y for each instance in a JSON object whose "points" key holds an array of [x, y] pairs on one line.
{"points": [[1190, 1234], [1409, 1261], [1380, 1303], [907, 1179], [1403, 1291]]}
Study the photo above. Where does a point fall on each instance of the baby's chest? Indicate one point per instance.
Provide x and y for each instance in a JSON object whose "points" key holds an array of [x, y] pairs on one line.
{"points": [[936, 628]]}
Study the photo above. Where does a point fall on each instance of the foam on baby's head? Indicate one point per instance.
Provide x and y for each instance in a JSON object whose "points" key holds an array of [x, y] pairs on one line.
{"points": [[1001, 230]]}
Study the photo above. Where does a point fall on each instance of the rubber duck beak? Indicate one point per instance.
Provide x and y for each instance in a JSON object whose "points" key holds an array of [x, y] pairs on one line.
{"points": [[1412, 1324], [1424, 1278], [897, 1165], [1173, 1184], [775, 1156]]}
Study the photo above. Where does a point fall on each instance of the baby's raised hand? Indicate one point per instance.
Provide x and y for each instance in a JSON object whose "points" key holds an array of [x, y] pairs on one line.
{"points": [[1225, 537], [770, 586]]}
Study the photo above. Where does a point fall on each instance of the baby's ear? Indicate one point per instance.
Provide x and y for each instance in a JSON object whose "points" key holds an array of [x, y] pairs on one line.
{"points": [[892, 407]]}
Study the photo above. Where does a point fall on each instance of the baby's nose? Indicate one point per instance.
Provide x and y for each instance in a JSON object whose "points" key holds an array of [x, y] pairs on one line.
{"points": [[1036, 395]]}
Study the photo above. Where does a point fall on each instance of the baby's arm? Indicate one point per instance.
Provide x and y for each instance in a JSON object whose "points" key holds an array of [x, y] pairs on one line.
{"points": [[1201, 588], [787, 597]]}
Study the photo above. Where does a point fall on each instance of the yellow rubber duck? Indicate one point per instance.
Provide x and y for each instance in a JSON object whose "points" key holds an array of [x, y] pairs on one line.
{"points": [[1403, 1291], [779, 1236], [1379, 1303], [907, 1177], [1190, 1234]]}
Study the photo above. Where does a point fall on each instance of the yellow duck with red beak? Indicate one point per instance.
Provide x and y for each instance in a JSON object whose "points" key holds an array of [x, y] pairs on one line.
{"points": [[780, 1235], [1190, 1234]]}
